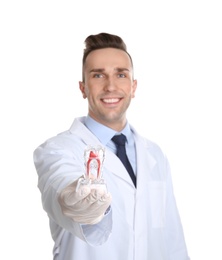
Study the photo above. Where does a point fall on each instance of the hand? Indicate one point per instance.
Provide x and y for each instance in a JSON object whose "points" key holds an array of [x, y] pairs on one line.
{"points": [[86, 205]]}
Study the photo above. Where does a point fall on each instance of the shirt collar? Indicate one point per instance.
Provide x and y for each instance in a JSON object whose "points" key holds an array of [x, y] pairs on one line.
{"points": [[104, 133]]}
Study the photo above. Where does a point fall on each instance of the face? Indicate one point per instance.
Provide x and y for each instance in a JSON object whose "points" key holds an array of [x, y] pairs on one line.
{"points": [[108, 86]]}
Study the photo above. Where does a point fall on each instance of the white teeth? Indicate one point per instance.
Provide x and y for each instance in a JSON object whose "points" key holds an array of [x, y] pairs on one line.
{"points": [[111, 100]]}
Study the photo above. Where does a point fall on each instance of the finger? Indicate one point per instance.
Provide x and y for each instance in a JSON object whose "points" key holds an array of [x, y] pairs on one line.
{"points": [[92, 197], [100, 205], [94, 200], [94, 213]]}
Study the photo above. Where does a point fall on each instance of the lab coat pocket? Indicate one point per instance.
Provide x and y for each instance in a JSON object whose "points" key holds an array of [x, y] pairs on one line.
{"points": [[157, 199]]}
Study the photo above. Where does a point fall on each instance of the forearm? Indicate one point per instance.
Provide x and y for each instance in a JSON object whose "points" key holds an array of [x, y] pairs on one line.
{"points": [[57, 169], [92, 234]]}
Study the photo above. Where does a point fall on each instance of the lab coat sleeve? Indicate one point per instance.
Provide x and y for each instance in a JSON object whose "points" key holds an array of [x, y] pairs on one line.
{"points": [[174, 235], [57, 167]]}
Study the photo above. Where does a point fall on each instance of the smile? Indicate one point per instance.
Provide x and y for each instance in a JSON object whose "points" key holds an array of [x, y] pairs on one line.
{"points": [[111, 100]]}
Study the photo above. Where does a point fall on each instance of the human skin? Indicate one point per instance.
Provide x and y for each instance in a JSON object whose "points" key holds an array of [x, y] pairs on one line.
{"points": [[109, 86]]}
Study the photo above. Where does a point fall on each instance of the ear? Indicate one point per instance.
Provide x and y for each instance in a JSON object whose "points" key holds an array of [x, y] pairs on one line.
{"points": [[82, 88], [134, 87]]}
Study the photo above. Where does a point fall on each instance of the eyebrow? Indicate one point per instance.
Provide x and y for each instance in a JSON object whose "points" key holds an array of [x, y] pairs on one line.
{"points": [[96, 70], [102, 70]]}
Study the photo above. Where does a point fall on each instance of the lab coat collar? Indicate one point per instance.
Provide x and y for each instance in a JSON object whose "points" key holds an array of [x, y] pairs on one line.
{"points": [[145, 164], [145, 161], [79, 129]]}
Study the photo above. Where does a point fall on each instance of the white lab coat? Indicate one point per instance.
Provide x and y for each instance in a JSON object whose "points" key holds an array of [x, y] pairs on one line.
{"points": [[143, 223]]}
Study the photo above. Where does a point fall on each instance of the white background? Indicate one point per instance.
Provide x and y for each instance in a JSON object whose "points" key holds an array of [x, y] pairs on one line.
{"points": [[177, 53]]}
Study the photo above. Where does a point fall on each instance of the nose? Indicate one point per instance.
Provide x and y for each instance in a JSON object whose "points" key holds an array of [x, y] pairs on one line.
{"points": [[110, 84]]}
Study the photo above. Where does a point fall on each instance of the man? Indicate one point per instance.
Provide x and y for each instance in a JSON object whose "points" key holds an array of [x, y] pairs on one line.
{"points": [[136, 218]]}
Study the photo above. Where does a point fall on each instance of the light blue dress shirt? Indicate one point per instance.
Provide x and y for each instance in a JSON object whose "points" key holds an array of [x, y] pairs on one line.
{"points": [[105, 134]]}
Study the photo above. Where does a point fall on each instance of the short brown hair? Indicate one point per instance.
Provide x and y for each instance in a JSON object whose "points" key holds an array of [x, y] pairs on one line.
{"points": [[101, 41]]}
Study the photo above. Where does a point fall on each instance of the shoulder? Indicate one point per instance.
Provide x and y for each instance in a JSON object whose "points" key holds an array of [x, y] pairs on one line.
{"points": [[66, 140], [68, 136], [63, 143], [150, 146]]}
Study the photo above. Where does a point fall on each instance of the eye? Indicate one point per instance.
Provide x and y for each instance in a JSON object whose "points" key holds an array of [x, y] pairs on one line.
{"points": [[121, 75], [97, 75]]}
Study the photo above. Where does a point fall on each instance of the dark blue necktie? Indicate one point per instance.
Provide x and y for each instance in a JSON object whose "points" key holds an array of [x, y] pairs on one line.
{"points": [[120, 141]]}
